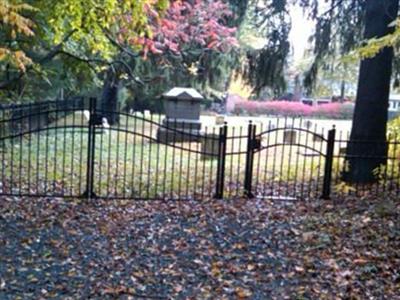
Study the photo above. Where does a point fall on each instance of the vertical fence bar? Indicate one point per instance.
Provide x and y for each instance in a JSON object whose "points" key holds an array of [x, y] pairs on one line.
{"points": [[133, 170], [212, 139], [91, 150], [72, 177], [188, 160], [238, 169], [150, 158], [125, 154], [12, 130], [80, 142], [249, 161], [223, 132], [317, 185], [117, 172], [231, 164], [326, 191], [29, 147]]}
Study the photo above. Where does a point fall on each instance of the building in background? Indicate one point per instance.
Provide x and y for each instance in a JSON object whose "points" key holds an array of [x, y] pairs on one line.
{"points": [[394, 106]]}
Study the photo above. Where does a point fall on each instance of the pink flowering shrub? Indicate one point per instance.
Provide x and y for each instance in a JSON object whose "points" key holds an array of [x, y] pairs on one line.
{"points": [[294, 109], [330, 110], [231, 102]]}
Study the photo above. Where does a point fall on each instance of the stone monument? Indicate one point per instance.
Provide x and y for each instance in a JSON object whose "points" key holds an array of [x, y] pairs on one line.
{"points": [[182, 114]]}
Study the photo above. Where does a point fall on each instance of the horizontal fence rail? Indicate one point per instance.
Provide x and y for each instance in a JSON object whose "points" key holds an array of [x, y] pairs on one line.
{"points": [[70, 149]]}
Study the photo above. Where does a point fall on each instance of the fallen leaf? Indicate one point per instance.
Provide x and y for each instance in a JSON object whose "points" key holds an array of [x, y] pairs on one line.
{"points": [[308, 236], [243, 293]]}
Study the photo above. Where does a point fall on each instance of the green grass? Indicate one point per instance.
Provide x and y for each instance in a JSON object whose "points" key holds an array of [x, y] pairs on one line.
{"points": [[125, 165]]}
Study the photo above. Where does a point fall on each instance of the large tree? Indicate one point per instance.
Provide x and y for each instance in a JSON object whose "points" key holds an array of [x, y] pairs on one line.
{"points": [[371, 111], [341, 27]]}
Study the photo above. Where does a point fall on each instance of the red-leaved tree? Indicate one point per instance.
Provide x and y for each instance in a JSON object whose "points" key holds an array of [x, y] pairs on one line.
{"points": [[189, 24], [184, 38]]}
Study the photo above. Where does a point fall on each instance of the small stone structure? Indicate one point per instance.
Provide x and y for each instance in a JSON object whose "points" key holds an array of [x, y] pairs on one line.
{"points": [[219, 120], [318, 138], [308, 124], [342, 151], [290, 137], [147, 114], [182, 110], [209, 146]]}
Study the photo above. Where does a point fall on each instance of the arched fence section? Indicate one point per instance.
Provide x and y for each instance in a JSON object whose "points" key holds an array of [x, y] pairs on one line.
{"points": [[69, 149], [288, 161]]}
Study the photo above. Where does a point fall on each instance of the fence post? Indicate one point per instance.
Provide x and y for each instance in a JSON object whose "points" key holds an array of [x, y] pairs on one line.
{"points": [[326, 190], [89, 193], [223, 133], [249, 160]]}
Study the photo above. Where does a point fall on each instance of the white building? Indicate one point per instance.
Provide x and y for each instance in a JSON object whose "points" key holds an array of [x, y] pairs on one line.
{"points": [[394, 103], [394, 106]]}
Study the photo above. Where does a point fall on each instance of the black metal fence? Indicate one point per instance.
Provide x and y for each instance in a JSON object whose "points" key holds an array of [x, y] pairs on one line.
{"points": [[37, 115], [69, 150]]}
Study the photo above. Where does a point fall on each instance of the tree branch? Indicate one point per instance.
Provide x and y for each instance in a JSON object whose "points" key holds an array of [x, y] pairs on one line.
{"points": [[102, 61], [118, 45], [48, 57]]}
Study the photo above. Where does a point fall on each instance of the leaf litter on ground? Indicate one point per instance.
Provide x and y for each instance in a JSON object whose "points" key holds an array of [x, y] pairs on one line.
{"points": [[233, 249]]}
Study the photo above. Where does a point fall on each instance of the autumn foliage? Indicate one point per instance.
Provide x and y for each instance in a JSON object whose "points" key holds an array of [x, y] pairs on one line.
{"points": [[186, 25], [12, 22]]}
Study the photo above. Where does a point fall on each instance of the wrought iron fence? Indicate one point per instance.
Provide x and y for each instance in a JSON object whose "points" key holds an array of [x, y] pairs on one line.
{"points": [[74, 152]]}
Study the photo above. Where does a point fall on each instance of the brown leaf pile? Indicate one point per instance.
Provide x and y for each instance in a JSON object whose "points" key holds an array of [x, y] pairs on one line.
{"points": [[239, 249]]}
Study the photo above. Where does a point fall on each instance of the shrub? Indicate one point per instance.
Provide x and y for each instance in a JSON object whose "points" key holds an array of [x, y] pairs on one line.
{"points": [[330, 110], [392, 168], [294, 109], [346, 111]]}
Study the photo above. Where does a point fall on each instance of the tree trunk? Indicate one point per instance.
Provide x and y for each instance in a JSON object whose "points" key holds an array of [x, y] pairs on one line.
{"points": [[342, 91], [371, 110], [109, 98]]}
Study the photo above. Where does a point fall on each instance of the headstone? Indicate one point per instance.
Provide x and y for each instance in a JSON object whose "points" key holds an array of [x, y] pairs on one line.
{"points": [[318, 137], [209, 146], [105, 123], [147, 114], [219, 120], [182, 110], [308, 124], [342, 151], [290, 137], [308, 153], [86, 113]]}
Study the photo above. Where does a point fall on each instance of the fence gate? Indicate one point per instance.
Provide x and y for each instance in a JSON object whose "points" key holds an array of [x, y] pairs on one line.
{"points": [[288, 161], [142, 157]]}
